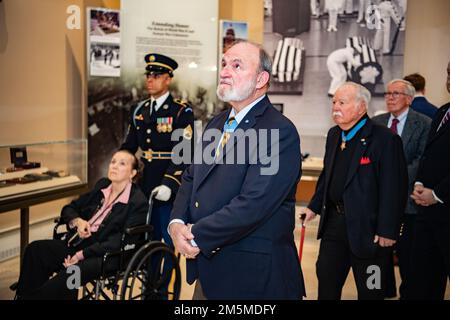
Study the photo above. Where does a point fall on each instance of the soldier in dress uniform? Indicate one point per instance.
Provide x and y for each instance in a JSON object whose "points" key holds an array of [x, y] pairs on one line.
{"points": [[151, 125]]}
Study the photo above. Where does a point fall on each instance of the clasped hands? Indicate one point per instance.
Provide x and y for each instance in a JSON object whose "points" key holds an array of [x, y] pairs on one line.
{"points": [[423, 196], [181, 236]]}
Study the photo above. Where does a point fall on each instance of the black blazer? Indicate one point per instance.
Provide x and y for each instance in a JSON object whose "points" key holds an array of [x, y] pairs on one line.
{"points": [[434, 168], [375, 192], [108, 236]]}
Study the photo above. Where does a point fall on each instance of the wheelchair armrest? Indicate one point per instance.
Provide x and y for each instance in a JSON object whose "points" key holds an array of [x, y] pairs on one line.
{"points": [[132, 231]]}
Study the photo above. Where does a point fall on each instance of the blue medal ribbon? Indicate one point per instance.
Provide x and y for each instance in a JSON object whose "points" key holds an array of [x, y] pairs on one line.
{"points": [[352, 133]]}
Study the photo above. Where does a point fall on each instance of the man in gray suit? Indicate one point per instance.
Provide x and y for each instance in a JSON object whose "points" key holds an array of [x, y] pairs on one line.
{"points": [[413, 128]]}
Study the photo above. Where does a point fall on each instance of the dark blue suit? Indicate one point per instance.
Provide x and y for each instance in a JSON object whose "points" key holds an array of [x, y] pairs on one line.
{"points": [[431, 245], [244, 221], [421, 105]]}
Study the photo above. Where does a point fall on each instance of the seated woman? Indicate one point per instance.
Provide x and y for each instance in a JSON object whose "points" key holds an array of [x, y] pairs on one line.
{"points": [[100, 218]]}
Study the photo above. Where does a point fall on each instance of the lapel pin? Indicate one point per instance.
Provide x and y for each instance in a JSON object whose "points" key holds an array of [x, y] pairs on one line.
{"points": [[246, 121], [166, 107]]}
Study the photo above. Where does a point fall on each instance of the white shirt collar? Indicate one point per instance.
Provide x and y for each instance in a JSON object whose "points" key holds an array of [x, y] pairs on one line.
{"points": [[401, 117], [241, 115], [160, 100]]}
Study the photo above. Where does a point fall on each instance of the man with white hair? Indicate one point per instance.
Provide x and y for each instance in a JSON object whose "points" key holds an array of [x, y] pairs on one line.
{"points": [[413, 128], [360, 196]]}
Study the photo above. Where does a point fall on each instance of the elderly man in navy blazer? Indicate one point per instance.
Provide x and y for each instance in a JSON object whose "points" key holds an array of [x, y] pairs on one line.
{"points": [[235, 221], [413, 128]]}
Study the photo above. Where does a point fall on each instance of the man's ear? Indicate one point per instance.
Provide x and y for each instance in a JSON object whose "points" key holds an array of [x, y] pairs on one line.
{"points": [[168, 80], [262, 79], [409, 100]]}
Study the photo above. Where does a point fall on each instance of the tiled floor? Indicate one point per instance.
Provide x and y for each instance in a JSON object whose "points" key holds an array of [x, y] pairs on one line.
{"points": [[9, 270]]}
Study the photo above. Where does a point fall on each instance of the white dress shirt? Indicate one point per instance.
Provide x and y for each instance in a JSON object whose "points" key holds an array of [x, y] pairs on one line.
{"points": [[159, 101]]}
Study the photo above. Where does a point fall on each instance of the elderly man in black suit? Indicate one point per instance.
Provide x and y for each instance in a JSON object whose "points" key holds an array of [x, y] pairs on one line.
{"points": [[431, 247], [360, 196], [413, 128]]}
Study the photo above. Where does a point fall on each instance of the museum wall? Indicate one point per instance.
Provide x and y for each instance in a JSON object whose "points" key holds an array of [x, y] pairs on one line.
{"points": [[427, 45], [42, 81], [251, 11]]}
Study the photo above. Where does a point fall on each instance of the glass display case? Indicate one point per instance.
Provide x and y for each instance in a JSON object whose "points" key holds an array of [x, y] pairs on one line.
{"points": [[35, 173], [32, 169]]}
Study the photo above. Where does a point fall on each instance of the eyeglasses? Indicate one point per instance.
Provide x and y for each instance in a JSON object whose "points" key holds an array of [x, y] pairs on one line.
{"points": [[394, 94]]}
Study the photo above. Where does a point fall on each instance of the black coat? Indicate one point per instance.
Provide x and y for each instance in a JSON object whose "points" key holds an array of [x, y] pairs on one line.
{"points": [[434, 168], [375, 193], [108, 237]]}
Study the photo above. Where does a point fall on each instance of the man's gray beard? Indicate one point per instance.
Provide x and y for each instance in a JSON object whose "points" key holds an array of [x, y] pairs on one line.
{"points": [[235, 95]]}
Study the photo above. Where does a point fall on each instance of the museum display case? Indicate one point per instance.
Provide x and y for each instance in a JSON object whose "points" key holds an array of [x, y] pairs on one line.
{"points": [[36, 173], [32, 169]]}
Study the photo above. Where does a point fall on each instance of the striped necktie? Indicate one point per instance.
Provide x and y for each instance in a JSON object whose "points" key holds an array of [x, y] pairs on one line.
{"points": [[444, 119]]}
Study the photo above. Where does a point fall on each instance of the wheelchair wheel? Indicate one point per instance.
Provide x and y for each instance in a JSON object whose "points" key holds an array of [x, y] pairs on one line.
{"points": [[152, 274]]}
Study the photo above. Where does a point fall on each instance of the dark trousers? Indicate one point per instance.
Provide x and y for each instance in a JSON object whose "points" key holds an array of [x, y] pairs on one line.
{"points": [[430, 262], [391, 285], [336, 259], [42, 259], [160, 221], [404, 250]]}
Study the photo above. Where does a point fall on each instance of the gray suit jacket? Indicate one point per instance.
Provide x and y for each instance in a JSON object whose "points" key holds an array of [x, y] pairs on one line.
{"points": [[414, 137]]}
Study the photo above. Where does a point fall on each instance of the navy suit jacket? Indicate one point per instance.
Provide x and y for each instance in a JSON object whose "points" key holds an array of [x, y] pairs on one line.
{"points": [[421, 105], [375, 190], [244, 221]]}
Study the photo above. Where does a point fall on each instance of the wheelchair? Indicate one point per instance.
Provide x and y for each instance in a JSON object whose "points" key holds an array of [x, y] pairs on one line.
{"points": [[147, 270]]}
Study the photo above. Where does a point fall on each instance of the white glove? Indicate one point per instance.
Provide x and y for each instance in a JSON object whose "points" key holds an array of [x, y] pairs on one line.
{"points": [[162, 192]]}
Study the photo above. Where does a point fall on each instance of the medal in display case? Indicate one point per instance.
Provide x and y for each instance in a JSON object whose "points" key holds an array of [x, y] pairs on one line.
{"points": [[35, 173], [28, 170]]}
